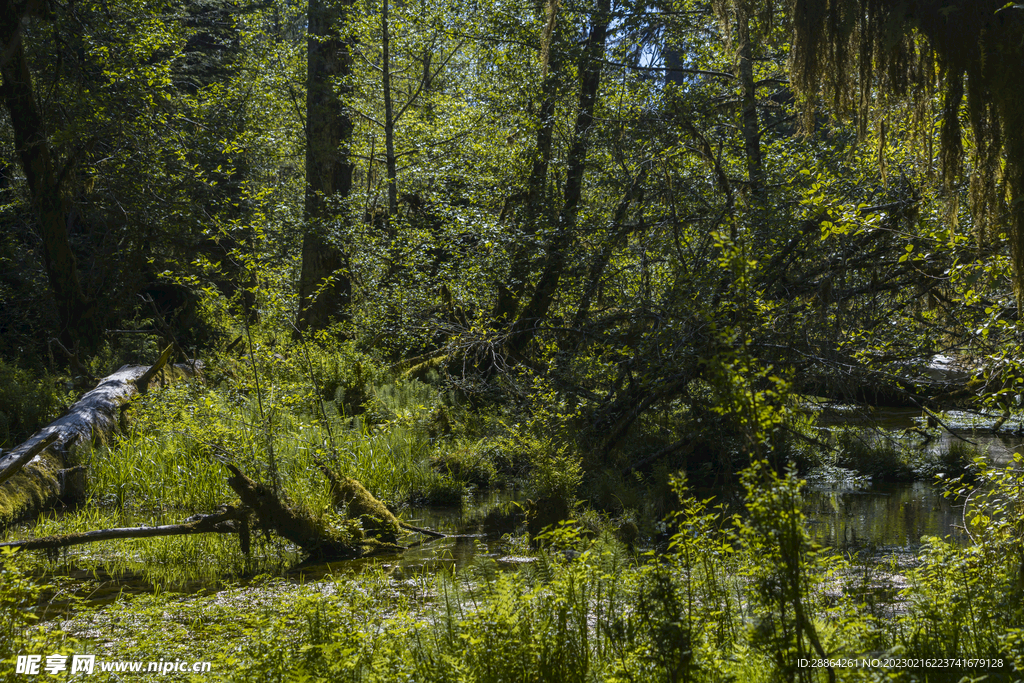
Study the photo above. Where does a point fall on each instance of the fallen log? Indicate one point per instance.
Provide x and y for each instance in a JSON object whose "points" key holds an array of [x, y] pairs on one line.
{"points": [[430, 532], [31, 484], [20, 461], [360, 504], [230, 521], [276, 514], [374, 515]]}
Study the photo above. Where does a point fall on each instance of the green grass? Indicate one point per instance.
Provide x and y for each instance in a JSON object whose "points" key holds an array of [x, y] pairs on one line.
{"points": [[168, 467], [170, 459], [719, 605], [725, 599]]}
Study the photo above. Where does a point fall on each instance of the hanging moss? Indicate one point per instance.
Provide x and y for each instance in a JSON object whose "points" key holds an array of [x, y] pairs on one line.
{"points": [[911, 49]]}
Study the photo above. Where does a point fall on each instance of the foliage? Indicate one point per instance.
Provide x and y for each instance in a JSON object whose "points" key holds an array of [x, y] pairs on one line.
{"points": [[782, 569], [679, 273], [589, 252], [880, 456], [27, 400], [555, 470], [889, 457], [743, 597]]}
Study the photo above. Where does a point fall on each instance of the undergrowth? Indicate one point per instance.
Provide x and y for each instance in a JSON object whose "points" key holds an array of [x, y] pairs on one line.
{"points": [[744, 598]]}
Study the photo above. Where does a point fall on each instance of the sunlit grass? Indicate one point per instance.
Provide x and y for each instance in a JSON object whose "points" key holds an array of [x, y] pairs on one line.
{"points": [[719, 604], [174, 461], [169, 465]]}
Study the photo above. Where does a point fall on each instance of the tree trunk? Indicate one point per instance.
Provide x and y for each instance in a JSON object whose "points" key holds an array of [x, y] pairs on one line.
{"points": [[325, 289], [616, 237], [76, 312], [274, 512], [558, 246], [30, 487], [512, 289], [749, 123], [389, 114]]}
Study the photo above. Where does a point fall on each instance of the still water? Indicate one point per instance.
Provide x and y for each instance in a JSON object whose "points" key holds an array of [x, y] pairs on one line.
{"points": [[892, 517], [879, 518], [884, 517], [871, 519]]}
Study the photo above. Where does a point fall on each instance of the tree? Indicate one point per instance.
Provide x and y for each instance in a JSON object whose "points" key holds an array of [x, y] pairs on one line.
{"points": [[849, 49], [325, 289], [536, 210], [76, 311], [557, 246]]}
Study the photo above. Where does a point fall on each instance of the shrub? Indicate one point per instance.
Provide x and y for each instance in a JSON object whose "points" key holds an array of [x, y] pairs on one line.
{"points": [[882, 458]]}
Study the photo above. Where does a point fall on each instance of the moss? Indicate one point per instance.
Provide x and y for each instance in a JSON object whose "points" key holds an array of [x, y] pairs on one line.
{"points": [[420, 371], [31, 490], [360, 503], [843, 48], [294, 523]]}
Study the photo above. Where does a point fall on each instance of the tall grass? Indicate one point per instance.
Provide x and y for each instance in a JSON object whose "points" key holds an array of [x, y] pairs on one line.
{"points": [[742, 598], [171, 459], [168, 466]]}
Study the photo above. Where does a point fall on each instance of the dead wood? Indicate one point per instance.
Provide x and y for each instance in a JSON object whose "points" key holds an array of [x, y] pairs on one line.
{"points": [[14, 465], [230, 521], [275, 514], [427, 532], [142, 383], [33, 484], [360, 504]]}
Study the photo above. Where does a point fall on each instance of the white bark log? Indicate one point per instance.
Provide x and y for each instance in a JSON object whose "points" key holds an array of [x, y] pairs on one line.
{"points": [[32, 486]]}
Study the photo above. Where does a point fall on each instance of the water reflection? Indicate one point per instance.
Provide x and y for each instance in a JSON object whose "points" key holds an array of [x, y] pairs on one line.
{"points": [[970, 427], [895, 516], [428, 555], [884, 517]]}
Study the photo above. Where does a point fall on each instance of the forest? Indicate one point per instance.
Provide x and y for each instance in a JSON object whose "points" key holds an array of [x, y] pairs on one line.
{"points": [[559, 340]]}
